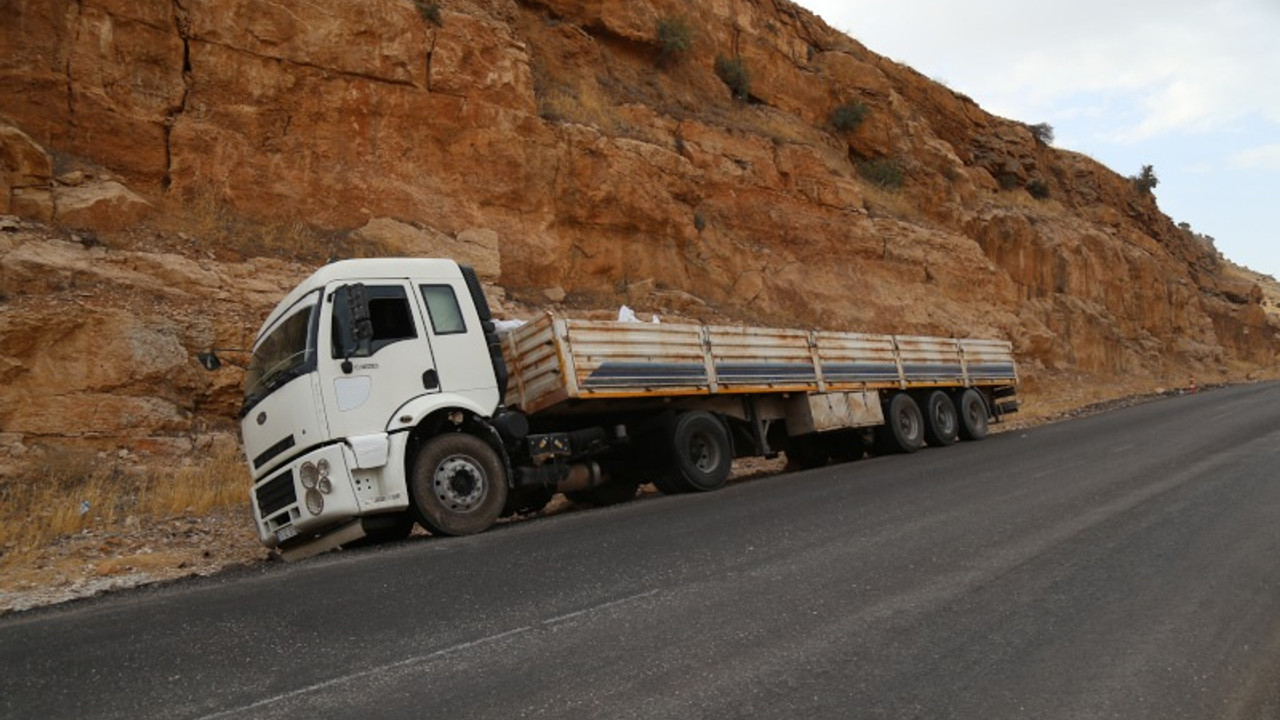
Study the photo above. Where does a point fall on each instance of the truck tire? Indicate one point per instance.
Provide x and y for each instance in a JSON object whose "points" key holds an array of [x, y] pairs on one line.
{"points": [[941, 426], [698, 452], [458, 485], [903, 429], [972, 409]]}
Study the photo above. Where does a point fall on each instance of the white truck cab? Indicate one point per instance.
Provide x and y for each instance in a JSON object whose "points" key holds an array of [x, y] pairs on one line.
{"points": [[344, 369]]}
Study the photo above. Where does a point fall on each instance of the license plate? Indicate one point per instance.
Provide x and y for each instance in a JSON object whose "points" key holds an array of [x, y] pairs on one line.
{"points": [[286, 533]]}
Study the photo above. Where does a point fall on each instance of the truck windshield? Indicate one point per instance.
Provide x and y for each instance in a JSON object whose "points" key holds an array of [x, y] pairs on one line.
{"points": [[285, 353]]}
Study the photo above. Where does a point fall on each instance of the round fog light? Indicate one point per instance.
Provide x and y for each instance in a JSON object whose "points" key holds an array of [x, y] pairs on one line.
{"points": [[325, 485], [309, 474], [322, 466], [315, 502]]}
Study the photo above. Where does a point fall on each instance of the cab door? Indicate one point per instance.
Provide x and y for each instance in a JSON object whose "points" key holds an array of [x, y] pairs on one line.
{"points": [[365, 381]]}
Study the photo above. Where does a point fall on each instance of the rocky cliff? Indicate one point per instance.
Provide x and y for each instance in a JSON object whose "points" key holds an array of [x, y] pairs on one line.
{"points": [[726, 159]]}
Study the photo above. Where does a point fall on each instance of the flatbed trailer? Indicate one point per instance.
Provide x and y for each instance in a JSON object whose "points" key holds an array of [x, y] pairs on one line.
{"points": [[555, 363]]}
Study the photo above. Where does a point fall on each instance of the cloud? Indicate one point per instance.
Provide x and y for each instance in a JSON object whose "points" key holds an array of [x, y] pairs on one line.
{"points": [[1263, 157], [1188, 66]]}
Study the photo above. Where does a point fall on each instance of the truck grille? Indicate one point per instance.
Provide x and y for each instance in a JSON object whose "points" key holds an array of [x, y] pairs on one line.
{"points": [[272, 452], [276, 494]]}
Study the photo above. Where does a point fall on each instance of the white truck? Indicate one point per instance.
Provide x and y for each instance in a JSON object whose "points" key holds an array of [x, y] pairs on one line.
{"points": [[379, 395]]}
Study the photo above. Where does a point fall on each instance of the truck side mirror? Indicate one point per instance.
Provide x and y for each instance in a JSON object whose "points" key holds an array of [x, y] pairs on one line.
{"points": [[361, 324], [211, 362], [352, 326]]}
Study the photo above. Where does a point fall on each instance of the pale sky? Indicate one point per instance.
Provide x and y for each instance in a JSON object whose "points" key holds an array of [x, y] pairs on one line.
{"points": [[1191, 88]]}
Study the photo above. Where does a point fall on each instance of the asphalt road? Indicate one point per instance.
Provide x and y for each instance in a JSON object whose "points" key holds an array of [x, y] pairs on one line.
{"points": [[1125, 565]]}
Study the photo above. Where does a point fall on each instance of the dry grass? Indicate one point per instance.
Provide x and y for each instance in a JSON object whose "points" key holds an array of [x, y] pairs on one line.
{"points": [[588, 105], [75, 491], [1022, 199], [882, 202]]}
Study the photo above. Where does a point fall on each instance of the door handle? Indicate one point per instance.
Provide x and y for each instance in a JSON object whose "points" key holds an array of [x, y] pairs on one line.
{"points": [[430, 379]]}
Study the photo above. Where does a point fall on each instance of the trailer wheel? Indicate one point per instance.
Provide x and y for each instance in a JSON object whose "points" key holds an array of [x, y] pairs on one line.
{"points": [[903, 429], [973, 414], [941, 425], [700, 455], [458, 485]]}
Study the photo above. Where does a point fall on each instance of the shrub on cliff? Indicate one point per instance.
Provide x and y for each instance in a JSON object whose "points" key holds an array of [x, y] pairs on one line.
{"points": [[886, 173], [1042, 132], [847, 117], [430, 11], [675, 37], [733, 73], [1146, 181]]}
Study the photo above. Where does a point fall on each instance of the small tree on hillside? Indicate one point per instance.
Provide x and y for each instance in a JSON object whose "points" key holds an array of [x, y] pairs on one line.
{"points": [[733, 73], [1146, 181], [430, 11], [847, 117], [675, 37], [1042, 132]]}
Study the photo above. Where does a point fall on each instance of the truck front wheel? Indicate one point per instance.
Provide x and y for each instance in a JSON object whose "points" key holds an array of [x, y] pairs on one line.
{"points": [[458, 485]]}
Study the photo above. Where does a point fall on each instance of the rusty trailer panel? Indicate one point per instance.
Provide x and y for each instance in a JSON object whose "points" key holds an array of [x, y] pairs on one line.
{"points": [[535, 364], [553, 360], [855, 360], [929, 360], [610, 356], [761, 359], [988, 362]]}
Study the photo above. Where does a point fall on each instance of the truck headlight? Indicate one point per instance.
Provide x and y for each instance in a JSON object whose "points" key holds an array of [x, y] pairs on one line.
{"points": [[323, 484], [315, 502], [310, 474]]}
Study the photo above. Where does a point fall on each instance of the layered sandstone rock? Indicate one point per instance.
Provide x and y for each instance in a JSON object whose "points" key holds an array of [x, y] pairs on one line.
{"points": [[544, 141]]}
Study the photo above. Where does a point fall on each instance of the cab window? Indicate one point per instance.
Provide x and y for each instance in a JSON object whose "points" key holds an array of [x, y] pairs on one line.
{"points": [[442, 306], [390, 315]]}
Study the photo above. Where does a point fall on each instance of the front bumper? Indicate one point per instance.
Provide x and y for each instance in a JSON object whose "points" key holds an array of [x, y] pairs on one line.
{"points": [[360, 483], [280, 502]]}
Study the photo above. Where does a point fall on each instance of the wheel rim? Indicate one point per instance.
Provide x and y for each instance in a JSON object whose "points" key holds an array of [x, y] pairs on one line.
{"points": [[943, 420], [459, 483], [704, 452], [907, 424], [974, 410]]}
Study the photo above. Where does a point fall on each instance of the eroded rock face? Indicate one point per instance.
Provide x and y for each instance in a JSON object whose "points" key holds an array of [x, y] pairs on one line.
{"points": [[104, 205], [99, 345], [25, 173], [544, 142]]}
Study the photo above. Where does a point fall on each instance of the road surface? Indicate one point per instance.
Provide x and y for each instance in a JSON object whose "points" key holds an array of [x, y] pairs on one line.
{"points": [[1125, 565]]}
